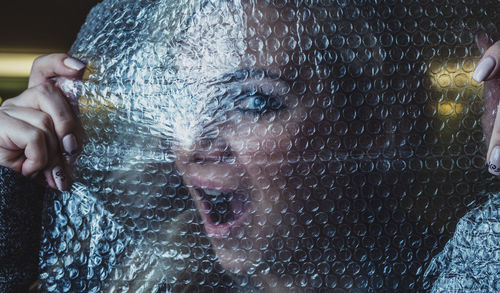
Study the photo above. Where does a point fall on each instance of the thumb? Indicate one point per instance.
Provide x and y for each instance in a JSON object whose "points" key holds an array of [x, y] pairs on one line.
{"points": [[488, 67]]}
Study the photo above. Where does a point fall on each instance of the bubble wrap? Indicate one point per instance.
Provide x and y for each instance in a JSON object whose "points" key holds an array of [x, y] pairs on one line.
{"points": [[284, 146]]}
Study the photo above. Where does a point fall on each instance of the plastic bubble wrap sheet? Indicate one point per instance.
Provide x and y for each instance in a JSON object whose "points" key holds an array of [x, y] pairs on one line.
{"points": [[284, 146]]}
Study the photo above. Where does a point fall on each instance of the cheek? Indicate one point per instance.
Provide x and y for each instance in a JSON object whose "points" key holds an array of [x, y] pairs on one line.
{"points": [[264, 155], [266, 147], [261, 143]]}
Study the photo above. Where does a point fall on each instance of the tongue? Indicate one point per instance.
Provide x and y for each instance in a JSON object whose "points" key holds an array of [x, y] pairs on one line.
{"points": [[221, 211], [225, 207]]}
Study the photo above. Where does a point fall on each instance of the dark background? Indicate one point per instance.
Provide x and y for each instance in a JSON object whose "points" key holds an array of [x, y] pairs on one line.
{"points": [[39, 27]]}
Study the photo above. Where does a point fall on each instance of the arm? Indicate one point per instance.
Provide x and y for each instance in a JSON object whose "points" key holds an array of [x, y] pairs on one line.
{"points": [[39, 140]]}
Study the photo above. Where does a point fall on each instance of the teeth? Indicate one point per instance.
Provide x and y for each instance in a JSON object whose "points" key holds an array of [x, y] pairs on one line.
{"points": [[212, 192]]}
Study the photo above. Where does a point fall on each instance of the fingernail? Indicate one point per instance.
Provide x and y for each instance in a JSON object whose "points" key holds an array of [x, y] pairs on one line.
{"points": [[484, 68], [69, 144], [59, 178], [73, 64], [494, 163]]}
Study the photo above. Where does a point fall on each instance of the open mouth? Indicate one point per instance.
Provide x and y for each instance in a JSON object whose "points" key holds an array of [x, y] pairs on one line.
{"points": [[222, 210]]}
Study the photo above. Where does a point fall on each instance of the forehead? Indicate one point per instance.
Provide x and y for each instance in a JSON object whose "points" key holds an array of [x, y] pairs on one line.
{"points": [[225, 36], [213, 42]]}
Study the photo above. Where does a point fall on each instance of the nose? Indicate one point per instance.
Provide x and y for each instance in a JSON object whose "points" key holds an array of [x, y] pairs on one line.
{"points": [[211, 150], [209, 147]]}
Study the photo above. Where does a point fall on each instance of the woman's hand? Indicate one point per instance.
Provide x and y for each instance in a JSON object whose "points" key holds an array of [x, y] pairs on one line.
{"points": [[488, 71], [40, 135]]}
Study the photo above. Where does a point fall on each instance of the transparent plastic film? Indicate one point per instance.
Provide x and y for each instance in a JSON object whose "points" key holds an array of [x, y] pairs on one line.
{"points": [[275, 146]]}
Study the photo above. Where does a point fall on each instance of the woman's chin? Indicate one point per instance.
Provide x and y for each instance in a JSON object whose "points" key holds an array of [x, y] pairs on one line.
{"points": [[236, 260]]}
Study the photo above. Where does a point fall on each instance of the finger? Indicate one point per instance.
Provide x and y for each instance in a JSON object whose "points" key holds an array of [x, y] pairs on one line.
{"points": [[53, 178], [19, 135], [49, 180], [493, 155], [484, 41], [39, 120], [47, 98], [49, 66], [59, 176], [488, 67], [44, 178], [54, 171]]}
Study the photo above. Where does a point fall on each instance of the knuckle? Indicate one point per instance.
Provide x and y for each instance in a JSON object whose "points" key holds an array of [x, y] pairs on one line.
{"points": [[6, 103], [45, 89], [45, 121], [62, 120], [38, 61], [38, 136], [65, 117]]}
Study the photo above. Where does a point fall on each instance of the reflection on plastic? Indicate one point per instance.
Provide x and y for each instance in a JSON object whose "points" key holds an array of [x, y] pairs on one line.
{"points": [[270, 145]]}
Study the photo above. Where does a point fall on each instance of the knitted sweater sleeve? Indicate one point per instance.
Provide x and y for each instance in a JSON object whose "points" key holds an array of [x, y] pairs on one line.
{"points": [[20, 228]]}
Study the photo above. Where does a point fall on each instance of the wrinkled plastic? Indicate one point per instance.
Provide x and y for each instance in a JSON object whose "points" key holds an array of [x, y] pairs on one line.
{"points": [[344, 134], [470, 260]]}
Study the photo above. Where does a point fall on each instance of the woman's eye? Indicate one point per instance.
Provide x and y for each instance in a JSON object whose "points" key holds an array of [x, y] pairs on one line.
{"points": [[259, 103]]}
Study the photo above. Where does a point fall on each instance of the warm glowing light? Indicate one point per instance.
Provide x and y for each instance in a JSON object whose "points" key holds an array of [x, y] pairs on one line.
{"points": [[448, 108], [16, 64], [448, 78], [450, 75]]}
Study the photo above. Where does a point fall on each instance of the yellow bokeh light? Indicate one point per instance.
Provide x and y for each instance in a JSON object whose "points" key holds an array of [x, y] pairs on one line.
{"points": [[450, 78], [448, 75], [16, 64], [449, 108]]}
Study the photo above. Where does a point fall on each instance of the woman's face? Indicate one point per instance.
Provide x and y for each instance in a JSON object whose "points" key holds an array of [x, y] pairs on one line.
{"points": [[241, 165]]}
